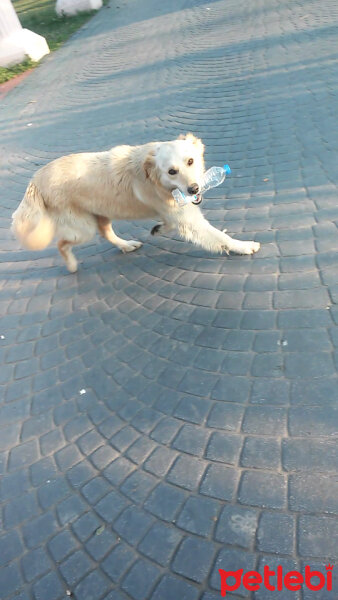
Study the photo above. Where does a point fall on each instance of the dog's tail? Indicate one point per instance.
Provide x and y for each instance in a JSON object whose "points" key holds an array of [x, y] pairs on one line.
{"points": [[31, 222]]}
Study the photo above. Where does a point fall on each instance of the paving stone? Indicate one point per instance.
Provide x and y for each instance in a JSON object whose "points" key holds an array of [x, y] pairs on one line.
{"points": [[67, 457], [23, 455], [320, 566], [303, 318], [75, 567], [138, 486], [270, 391], [319, 364], [315, 392], [20, 509], [265, 420], [15, 411], [14, 484], [90, 441], [160, 543], [191, 439], [237, 526], [199, 515], [231, 559], [10, 579], [46, 400], [64, 413], [301, 299], [76, 427], [132, 524], [313, 493], [160, 461], [261, 453], [187, 472], [95, 489], [226, 416], [100, 544], [85, 526], [36, 426], [140, 450], [267, 365], [93, 586], [118, 561], [118, 470], [309, 455], [224, 447], [140, 580], [232, 389], [165, 501], [52, 492], [9, 436], [272, 562], [317, 536], [43, 471], [35, 564], [276, 533], [262, 489], [267, 341], [316, 420], [172, 587], [194, 559], [10, 547], [36, 531], [124, 438], [61, 545], [80, 474], [192, 409], [110, 506], [69, 509], [200, 383], [220, 482]]}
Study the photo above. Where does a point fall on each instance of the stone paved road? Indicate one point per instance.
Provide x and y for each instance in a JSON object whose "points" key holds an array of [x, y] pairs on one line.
{"points": [[207, 434]]}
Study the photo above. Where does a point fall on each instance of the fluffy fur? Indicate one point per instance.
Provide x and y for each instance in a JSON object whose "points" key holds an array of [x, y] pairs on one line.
{"points": [[75, 196]]}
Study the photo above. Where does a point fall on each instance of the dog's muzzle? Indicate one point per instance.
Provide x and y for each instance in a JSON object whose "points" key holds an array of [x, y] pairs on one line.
{"points": [[198, 199]]}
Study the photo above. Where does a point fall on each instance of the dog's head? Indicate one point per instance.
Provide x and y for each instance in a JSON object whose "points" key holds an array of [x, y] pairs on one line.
{"points": [[177, 164]]}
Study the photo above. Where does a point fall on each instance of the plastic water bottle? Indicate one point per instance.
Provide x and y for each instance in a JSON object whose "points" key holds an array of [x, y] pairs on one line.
{"points": [[212, 178], [180, 198]]}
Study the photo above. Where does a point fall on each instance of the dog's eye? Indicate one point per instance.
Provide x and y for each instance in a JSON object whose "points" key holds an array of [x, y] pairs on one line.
{"points": [[173, 171], [190, 162]]}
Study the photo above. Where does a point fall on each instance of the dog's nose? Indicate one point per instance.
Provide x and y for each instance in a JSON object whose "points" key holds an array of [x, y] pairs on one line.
{"points": [[193, 189]]}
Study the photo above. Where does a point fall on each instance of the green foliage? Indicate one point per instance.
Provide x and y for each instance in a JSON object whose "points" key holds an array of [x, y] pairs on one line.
{"points": [[40, 17]]}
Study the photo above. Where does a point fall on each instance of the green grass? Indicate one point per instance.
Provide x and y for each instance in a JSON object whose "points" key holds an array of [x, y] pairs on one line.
{"points": [[40, 17]]}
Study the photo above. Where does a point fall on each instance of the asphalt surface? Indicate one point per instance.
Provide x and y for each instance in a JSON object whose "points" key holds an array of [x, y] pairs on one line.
{"points": [[168, 413]]}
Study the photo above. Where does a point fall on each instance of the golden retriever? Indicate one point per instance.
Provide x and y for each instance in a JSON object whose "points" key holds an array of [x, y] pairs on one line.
{"points": [[73, 197]]}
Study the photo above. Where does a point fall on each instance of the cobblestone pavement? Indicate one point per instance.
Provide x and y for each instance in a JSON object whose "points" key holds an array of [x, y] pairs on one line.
{"points": [[170, 412]]}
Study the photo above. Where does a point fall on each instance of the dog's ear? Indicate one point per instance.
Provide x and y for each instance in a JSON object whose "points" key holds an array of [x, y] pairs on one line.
{"points": [[149, 165], [192, 138]]}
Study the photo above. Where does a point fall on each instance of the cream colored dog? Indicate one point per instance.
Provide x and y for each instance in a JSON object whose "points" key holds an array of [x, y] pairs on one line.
{"points": [[75, 196]]}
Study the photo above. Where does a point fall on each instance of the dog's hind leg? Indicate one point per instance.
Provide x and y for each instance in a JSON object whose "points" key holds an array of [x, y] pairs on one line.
{"points": [[106, 230], [65, 249], [73, 229]]}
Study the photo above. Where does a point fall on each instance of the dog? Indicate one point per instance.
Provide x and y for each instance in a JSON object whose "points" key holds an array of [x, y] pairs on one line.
{"points": [[73, 197]]}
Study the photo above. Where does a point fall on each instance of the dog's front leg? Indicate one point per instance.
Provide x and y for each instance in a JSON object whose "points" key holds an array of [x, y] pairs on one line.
{"points": [[193, 227], [162, 228]]}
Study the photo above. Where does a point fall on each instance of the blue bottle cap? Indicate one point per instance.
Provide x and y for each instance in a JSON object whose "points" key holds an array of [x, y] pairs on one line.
{"points": [[227, 169]]}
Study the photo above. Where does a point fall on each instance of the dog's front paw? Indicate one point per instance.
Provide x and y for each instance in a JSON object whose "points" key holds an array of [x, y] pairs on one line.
{"points": [[239, 247], [130, 246], [249, 247], [156, 230]]}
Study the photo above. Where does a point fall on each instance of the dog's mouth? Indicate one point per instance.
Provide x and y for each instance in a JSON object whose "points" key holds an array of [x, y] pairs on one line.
{"points": [[197, 199]]}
